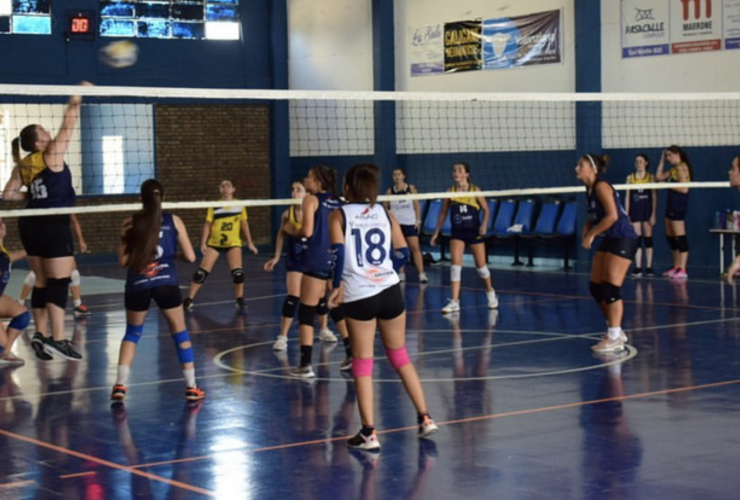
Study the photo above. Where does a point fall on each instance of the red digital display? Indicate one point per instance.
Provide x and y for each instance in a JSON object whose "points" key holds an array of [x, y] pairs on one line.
{"points": [[80, 25]]}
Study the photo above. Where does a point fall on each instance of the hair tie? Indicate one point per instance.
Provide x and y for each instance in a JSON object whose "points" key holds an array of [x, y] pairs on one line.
{"points": [[593, 163]]}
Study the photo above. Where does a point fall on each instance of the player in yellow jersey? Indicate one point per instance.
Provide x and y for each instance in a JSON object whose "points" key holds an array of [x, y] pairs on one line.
{"points": [[641, 205], [221, 234]]}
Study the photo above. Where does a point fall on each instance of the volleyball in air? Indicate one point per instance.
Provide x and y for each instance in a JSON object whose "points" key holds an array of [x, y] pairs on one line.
{"points": [[119, 54]]}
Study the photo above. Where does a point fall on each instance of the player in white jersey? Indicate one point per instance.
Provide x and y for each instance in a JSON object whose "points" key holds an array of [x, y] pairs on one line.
{"points": [[367, 283], [408, 214]]}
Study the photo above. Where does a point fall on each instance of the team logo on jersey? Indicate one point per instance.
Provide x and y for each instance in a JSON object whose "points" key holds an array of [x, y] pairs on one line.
{"points": [[152, 269], [376, 275]]}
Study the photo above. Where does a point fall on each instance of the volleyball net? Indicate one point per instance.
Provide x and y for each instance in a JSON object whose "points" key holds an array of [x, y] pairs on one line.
{"points": [[517, 144]]}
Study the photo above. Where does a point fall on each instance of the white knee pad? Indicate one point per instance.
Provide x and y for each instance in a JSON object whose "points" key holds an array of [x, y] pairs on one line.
{"points": [[30, 279], [75, 278], [483, 272], [455, 272]]}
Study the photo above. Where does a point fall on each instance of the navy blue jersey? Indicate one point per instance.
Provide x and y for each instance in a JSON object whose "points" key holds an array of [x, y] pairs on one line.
{"points": [[622, 228], [318, 254], [161, 271], [46, 189], [676, 203], [4, 269]]}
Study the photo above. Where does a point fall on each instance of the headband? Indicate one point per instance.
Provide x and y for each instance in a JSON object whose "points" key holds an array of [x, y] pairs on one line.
{"points": [[593, 163]]}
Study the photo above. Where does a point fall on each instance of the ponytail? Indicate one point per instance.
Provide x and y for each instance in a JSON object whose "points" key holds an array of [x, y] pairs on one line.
{"points": [[142, 238]]}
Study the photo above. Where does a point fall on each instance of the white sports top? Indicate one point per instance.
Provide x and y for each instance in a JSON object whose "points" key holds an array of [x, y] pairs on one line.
{"points": [[403, 209], [368, 268]]}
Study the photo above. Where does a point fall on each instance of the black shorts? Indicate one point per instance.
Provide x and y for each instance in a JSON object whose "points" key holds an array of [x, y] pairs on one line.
{"points": [[468, 236], [166, 297], [221, 250], [621, 247], [409, 230], [675, 214], [386, 305], [319, 275], [46, 236]]}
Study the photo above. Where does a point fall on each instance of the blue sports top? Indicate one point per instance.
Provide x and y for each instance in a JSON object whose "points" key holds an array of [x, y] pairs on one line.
{"points": [[622, 228], [46, 188], [4, 269], [318, 255], [161, 271]]}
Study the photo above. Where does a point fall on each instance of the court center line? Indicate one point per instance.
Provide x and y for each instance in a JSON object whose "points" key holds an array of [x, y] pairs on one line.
{"points": [[106, 463]]}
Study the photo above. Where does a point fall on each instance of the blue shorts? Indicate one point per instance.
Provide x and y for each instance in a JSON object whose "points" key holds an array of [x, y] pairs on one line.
{"points": [[409, 230], [467, 236]]}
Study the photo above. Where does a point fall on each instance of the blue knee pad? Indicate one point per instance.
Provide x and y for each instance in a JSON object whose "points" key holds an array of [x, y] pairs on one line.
{"points": [[323, 307], [133, 333], [20, 322], [289, 306], [184, 354]]}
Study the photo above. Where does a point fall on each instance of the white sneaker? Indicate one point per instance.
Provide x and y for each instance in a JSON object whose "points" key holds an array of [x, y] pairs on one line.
{"points": [[402, 277], [608, 345], [423, 278], [281, 343], [452, 306], [327, 336], [623, 336], [302, 372], [427, 427], [492, 299]]}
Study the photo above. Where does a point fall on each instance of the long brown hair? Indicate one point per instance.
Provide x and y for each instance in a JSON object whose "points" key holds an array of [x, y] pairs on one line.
{"points": [[26, 140], [327, 177], [142, 238]]}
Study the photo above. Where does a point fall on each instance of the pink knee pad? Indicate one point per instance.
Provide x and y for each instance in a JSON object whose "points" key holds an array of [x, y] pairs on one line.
{"points": [[398, 357], [362, 367]]}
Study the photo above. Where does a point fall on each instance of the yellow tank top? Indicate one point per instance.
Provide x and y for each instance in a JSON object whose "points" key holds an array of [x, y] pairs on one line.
{"points": [[226, 226], [293, 219], [646, 180], [31, 166], [469, 199]]}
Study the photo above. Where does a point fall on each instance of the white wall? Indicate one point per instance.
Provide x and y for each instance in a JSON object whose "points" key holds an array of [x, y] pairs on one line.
{"points": [[545, 78], [330, 45], [717, 71]]}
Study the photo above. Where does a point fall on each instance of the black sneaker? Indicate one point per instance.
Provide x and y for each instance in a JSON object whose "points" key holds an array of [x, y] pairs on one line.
{"points": [[188, 305], [649, 272], [63, 348], [636, 273], [37, 343], [240, 303]]}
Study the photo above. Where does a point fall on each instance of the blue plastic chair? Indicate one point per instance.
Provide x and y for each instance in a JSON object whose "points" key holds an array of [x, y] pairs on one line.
{"points": [[504, 218], [544, 228]]}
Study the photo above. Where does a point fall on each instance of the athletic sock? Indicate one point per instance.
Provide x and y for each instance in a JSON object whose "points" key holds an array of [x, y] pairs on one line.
{"points": [[614, 333]]}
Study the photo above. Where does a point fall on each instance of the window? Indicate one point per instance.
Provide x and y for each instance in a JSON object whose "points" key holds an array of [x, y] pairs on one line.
{"points": [[30, 17], [186, 19]]}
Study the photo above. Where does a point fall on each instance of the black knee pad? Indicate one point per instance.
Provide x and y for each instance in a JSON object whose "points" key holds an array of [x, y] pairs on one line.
{"points": [[57, 290], [672, 242], [648, 241], [610, 293], [595, 289], [640, 239], [200, 276], [682, 243], [306, 314], [289, 306], [323, 307], [237, 274], [337, 314], [38, 298]]}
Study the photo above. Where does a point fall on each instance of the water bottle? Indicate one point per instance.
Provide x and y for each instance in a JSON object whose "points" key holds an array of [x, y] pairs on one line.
{"points": [[717, 220], [721, 223], [728, 220]]}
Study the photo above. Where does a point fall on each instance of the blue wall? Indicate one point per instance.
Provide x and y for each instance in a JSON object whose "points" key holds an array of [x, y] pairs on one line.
{"points": [[50, 59]]}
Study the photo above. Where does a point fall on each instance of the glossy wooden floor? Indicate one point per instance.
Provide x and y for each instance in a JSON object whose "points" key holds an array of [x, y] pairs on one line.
{"points": [[525, 409]]}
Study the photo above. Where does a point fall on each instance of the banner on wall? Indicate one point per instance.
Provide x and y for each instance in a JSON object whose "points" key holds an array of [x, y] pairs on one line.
{"points": [[645, 28], [659, 27], [731, 14], [462, 46], [521, 41], [427, 50], [696, 26]]}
